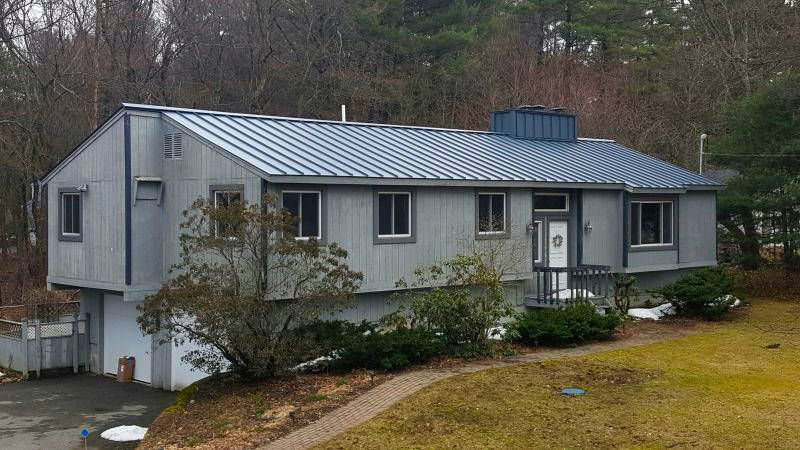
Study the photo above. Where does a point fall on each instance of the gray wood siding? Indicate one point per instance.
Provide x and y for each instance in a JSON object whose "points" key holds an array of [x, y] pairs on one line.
{"points": [[697, 218], [445, 227], [603, 208], [658, 258], [190, 178], [371, 306], [92, 306], [146, 215], [100, 257]]}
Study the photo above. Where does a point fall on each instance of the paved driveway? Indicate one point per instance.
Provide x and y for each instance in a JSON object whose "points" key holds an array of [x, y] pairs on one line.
{"points": [[50, 413]]}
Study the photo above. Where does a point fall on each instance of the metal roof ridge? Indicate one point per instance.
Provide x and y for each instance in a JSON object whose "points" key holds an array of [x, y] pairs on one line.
{"points": [[596, 139], [294, 119], [327, 121]]}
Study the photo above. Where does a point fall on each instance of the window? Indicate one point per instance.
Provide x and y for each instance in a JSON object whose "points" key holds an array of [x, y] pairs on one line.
{"points": [[491, 213], [71, 215], [307, 206], [551, 202], [224, 197], [394, 214], [537, 241], [651, 223]]}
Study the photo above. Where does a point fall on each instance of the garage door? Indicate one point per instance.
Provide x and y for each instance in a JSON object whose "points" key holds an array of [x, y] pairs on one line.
{"points": [[122, 337]]}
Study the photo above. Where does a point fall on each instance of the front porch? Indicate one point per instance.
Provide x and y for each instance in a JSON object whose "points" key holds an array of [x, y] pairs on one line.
{"points": [[555, 287]]}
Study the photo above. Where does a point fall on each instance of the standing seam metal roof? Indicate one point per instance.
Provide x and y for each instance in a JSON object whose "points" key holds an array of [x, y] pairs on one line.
{"points": [[304, 147]]}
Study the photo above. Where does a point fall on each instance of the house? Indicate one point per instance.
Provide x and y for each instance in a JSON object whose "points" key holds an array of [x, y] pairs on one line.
{"points": [[395, 197]]}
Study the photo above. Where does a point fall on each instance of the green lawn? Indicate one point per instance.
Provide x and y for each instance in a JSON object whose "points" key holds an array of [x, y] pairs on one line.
{"points": [[719, 389]]}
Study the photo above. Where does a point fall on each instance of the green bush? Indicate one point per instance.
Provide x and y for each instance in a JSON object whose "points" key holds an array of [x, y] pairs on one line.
{"points": [[461, 299], [705, 293], [391, 350], [329, 335], [574, 324]]}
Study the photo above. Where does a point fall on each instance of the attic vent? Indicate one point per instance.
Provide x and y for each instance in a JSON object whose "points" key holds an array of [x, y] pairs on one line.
{"points": [[173, 146]]}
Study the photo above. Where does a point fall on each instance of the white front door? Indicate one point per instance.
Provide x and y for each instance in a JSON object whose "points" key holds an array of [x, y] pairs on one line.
{"points": [[122, 337], [557, 253]]}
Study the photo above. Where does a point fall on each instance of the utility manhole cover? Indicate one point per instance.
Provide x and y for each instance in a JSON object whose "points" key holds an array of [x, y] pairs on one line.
{"points": [[573, 391]]}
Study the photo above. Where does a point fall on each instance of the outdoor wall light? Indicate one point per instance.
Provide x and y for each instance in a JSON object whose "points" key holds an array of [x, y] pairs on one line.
{"points": [[588, 227], [82, 188]]}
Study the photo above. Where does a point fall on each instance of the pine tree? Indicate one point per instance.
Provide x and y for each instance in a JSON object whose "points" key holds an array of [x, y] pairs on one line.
{"points": [[762, 142]]}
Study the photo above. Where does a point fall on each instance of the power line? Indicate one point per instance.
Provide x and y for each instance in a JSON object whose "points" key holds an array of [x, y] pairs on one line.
{"points": [[751, 155]]}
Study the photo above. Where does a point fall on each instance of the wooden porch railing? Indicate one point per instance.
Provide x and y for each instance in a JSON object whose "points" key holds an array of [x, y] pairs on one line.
{"points": [[569, 285]]}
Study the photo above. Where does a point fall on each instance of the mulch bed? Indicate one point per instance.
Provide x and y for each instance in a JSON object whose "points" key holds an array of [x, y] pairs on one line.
{"points": [[227, 413]]}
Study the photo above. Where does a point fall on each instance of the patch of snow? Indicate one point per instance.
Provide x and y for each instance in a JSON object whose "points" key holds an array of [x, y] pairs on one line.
{"points": [[2, 374], [497, 332], [652, 313], [125, 433], [667, 309], [568, 294], [728, 298], [314, 363]]}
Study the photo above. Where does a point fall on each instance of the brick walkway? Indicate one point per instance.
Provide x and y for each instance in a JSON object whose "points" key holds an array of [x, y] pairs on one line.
{"points": [[385, 395]]}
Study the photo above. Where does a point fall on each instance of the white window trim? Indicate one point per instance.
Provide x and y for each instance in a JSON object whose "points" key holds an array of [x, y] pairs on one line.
{"points": [[300, 213], [505, 208], [552, 194], [64, 214], [539, 237], [660, 225], [410, 212]]}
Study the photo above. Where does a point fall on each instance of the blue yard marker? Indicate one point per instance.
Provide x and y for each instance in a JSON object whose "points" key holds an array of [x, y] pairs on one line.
{"points": [[573, 391]]}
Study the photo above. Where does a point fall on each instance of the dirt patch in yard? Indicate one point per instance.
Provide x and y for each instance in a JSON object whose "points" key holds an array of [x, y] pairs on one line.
{"points": [[227, 413]]}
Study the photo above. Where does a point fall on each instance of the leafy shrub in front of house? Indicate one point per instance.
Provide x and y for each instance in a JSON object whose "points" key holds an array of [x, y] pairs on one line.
{"points": [[389, 350], [574, 324], [366, 346], [460, 299], [625, 292], [705, 293], [329, 335], [227, 295]]}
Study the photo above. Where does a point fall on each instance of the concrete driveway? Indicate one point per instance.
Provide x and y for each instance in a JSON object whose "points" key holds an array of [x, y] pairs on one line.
{"points": [[50, 413]]}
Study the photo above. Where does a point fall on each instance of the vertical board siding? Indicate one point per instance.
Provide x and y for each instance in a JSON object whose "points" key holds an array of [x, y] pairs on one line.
{"points": [[647, 281], [190, 178], [90, 305], [697, 219], [603, 208], [146, 234], [445, 228], [655, 258], [100, 256], [695, 231]]}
